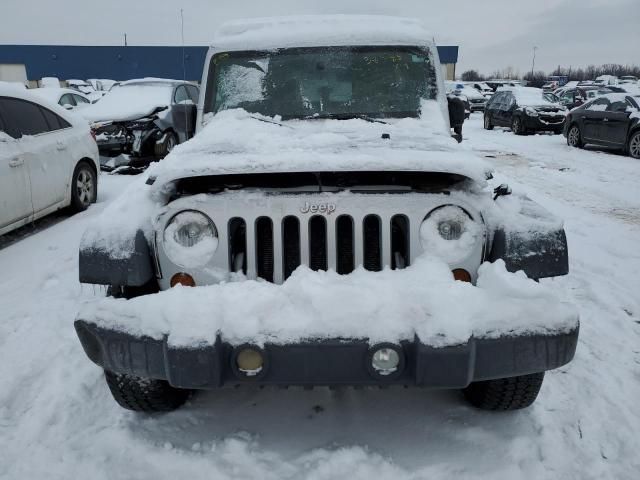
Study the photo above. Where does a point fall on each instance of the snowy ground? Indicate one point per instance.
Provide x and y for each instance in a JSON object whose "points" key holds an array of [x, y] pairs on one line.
{"points": [[58, 421]]}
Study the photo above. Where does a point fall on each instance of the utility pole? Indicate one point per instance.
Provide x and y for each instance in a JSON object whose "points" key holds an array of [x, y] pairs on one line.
{"points": [[533, 64]]}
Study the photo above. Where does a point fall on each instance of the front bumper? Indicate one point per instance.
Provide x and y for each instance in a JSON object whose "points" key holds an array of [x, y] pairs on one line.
{"points": [[477, 107], [545, 123], [327, 362]]}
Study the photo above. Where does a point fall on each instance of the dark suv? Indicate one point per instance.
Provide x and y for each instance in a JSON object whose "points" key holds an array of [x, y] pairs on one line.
{"points": [[612, 121], [524, 110]]}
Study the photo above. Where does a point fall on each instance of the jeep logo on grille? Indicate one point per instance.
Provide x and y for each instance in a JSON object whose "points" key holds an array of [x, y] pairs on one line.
{"points": [[326, 208]]}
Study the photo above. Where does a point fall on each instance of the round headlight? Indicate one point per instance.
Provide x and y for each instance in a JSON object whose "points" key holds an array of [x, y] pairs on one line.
{"points": [[449, 233], [190, 239]]}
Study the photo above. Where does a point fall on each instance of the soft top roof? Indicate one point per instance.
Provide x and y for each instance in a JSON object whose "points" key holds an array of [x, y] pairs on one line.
{"points": [[319, 30]]}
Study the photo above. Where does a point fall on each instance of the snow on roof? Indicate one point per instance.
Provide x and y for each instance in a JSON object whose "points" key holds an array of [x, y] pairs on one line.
{"points": [[54, 94], [528, 96], [319, 30], [18, 91]]}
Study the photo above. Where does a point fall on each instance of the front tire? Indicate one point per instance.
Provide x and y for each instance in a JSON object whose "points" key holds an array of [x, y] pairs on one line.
{"points": [[634, 145], [84, 187], [163, 149], [487, 122], [516, 126], [505, 393], [574, 137], [144, 395]]}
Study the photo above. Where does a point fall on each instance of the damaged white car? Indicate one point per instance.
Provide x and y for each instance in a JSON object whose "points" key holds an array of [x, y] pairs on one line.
{"points": [[323, 228]]}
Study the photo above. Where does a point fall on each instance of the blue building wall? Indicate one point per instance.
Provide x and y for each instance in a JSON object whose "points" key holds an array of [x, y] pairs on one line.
{"points": [[122, 63]]}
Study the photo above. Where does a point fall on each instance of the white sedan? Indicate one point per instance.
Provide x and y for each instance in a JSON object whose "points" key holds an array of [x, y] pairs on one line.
{"points": [[65, 97], [48, 159]]}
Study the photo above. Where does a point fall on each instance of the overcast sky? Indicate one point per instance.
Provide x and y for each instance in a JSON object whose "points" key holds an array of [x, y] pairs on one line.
{"points": [[491, 34]]}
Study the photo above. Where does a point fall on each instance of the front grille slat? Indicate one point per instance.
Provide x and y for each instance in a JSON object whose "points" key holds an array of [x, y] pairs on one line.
{"points": [[290, 245], [371, 243], [271, 248], [344, 245], [317, 243], [264, 248]]}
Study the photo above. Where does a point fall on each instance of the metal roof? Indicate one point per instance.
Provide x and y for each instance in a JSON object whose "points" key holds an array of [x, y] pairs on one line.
{"points": [[120, 62]]}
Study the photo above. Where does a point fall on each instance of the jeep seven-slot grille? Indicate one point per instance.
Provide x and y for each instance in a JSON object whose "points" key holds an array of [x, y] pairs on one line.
{"points": [[321, 242]]}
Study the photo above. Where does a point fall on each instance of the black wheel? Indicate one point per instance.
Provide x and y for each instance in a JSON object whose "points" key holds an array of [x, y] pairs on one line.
{"points": [[505, 393], [634, 145], [163, 149], [487, 122], [574, 137], [516, 126], [84, 187], [144, 395]]}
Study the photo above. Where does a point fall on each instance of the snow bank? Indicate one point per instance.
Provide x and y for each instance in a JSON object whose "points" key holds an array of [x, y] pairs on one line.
{"points": [[385, 306], [129, 102], [319, 30]]}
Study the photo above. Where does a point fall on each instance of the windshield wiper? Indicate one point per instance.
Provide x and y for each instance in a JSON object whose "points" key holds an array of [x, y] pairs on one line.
{"points": [[344, 116]]}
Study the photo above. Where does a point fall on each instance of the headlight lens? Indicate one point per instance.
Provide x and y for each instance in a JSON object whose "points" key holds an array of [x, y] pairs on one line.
{"points": [[532, 112], [190, 239], [450, 233]]}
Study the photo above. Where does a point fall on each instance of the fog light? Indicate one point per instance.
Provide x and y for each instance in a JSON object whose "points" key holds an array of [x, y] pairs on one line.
{"points": [[183, 279], [385, 361], [461, 275], [250, 361]]}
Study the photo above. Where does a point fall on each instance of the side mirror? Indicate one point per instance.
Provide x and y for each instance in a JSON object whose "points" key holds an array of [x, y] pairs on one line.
{"points": [[456, 116], [67, 106]]}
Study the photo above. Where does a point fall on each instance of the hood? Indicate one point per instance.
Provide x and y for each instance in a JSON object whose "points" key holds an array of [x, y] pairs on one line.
{"points": [[236, 142], [128, 103]]}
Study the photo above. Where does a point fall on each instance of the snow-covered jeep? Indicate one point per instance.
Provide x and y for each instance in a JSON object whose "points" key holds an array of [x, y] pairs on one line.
{"points": [[324, 229]]}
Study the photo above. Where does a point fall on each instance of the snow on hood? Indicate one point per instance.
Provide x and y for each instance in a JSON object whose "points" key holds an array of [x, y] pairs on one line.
{"points": [[236, 142], [129, 103]]}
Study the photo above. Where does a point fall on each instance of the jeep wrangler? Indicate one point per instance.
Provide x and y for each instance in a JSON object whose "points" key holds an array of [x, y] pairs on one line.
{"points": [[323, 228]]}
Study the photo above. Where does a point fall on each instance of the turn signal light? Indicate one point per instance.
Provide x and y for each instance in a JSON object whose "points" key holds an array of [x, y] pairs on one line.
{"points": [[462, 275], [183, 279]]}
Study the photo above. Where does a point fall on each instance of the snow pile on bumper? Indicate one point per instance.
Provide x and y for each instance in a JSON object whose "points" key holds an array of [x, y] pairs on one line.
{"points": [[391, 306]]}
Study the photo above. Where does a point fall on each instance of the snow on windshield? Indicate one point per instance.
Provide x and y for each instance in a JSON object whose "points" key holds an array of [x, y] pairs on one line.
{"points": [[129, 102], [324, 81]]}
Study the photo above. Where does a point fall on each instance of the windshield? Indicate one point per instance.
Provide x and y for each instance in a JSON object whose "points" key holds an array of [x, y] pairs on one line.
{"points": [[340, 82]]}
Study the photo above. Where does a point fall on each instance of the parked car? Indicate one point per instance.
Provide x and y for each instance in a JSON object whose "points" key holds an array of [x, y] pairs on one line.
{"points": [[610, 121], [48, 159], [476, 101], [496, 84], [483, 88], [301, 165], [144, 119], [524, 110], [85, 88], [65, 97], [574, 97], [628, 79], [607, 80]]}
